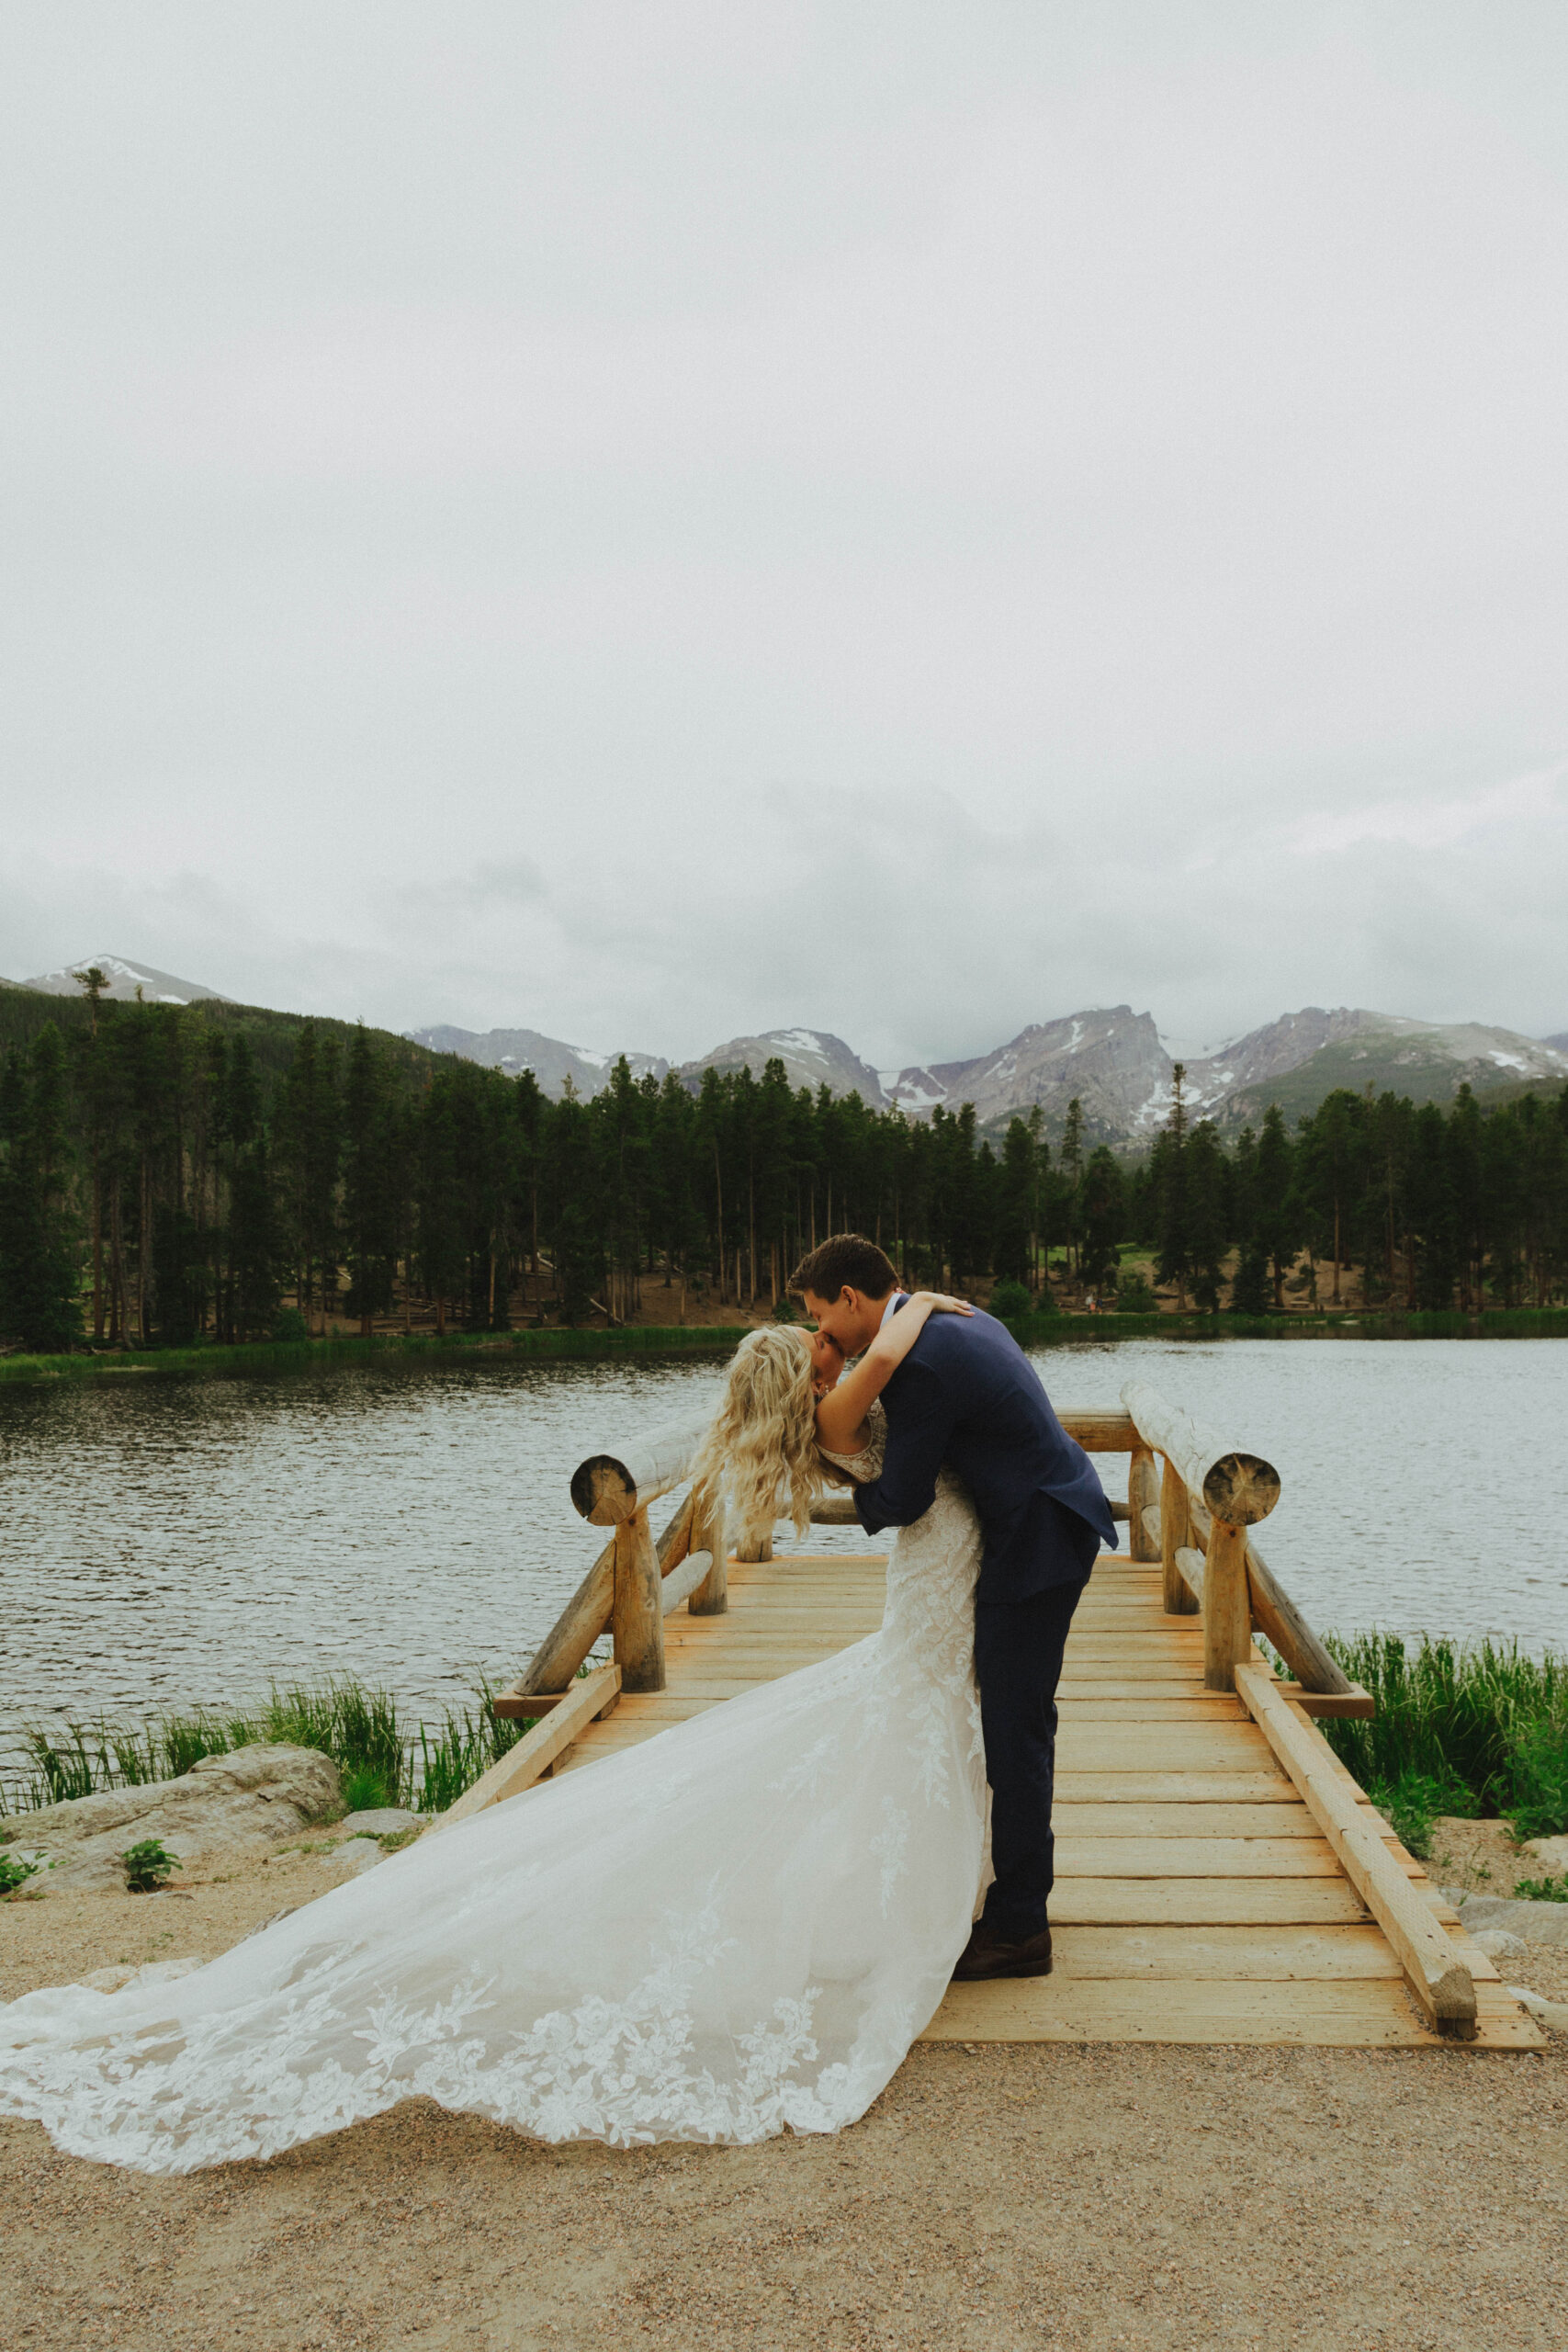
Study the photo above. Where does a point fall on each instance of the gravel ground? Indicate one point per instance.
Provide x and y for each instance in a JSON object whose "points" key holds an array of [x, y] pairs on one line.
{"points": [[1479, 1856], [994, 2196]]}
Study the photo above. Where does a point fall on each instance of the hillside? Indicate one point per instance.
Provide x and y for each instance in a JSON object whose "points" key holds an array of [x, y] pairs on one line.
{"points": [[1392, 1056], [25, 1011]]}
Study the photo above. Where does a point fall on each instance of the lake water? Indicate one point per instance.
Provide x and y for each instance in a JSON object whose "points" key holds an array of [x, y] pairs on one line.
{"points": [[164, 1544]]}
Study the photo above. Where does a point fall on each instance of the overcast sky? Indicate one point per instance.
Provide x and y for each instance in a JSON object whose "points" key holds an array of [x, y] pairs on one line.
{"points": [[652, 521]]}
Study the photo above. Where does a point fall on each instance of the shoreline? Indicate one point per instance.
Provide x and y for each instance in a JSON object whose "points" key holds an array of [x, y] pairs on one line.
{"points": [[563, 1344]]}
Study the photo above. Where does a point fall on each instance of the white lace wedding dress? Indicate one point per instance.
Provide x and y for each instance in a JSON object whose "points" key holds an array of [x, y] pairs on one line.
{"points": [[736, 1926]]}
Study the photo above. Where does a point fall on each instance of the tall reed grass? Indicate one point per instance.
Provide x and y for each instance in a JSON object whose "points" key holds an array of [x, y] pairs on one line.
{"points": [[382, 1758], [1478, 1729]]}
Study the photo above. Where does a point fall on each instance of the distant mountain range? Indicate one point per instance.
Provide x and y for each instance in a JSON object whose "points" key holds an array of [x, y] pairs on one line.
{"points": [[551, 1061], [1114, 1060]]}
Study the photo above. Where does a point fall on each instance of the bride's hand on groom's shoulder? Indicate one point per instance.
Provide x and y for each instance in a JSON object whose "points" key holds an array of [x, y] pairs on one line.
{"points": [[941, 1302]]}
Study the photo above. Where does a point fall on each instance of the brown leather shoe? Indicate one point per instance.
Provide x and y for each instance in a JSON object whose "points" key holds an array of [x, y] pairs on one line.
{"points": [[987, 1954]]}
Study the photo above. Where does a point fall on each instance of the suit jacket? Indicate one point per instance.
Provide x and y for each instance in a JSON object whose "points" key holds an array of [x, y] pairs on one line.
{"points": [[968, 1395]]}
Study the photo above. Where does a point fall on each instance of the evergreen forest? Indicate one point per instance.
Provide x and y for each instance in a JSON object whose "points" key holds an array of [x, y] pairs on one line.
{"points": [[163, 1180]]}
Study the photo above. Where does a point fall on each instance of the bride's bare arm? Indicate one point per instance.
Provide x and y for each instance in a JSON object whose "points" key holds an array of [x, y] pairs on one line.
{"points": [[840, 1414]]}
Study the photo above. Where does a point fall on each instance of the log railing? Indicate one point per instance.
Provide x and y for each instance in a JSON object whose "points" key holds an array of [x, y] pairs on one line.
{"points": [[638, 1578], [1211, 1495]]}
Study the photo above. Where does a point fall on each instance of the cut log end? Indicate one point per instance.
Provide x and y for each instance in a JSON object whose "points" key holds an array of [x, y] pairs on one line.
{"points": [[1240, 1488], [1453, 1999], [604, 1490]]}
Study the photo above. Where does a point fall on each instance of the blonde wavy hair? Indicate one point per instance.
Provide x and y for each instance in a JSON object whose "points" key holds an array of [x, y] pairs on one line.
{"points": [[762, 1448]]}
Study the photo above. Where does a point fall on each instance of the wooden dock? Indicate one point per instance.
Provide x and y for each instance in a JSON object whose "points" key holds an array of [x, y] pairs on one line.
{"points": [[1219, 1877], [1194, 1902]]}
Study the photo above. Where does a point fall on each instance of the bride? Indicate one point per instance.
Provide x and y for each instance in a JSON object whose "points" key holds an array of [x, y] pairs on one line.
{"points": [[736, 1928]]}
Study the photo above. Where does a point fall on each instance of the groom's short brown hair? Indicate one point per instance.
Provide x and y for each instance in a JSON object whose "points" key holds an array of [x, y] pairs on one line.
{"points": [[845, 1261]]}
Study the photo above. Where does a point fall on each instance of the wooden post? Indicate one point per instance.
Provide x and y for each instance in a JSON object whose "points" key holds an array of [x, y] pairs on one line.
{"points": [[1142, 1488], [1175, 1535], [1227, 1609], [711, 1597], [636, 1616]]}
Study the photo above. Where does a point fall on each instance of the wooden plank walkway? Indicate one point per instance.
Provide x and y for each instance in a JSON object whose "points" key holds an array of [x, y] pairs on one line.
{"points": [[1195, 1900]]}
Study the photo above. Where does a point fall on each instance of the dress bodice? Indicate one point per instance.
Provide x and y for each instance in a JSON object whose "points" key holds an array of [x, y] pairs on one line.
{"points": [[867, 1463]]}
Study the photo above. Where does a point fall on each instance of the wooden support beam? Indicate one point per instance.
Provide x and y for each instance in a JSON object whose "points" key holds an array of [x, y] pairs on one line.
{"points": [[1433, 1968], [1142, 1491], [1099, 1432], [1227, 1609], [1237, 1487], [1276, 1614], [1181, 1601], [711, 1597], [587, 1614], [1356, 1702], [534, 1753], [683, 1581], [1190, 1568], [637, 1617]]}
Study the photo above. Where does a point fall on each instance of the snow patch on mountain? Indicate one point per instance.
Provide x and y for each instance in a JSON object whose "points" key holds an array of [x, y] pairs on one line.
{"points": [[123, 979]]}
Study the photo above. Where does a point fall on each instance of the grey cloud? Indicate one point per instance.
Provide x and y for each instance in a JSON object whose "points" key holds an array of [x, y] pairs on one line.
{"points": [[664, 522]]}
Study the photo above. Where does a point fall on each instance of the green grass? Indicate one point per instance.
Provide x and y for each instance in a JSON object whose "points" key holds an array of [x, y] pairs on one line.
{"points": [[382, 1758], [299, 1355], [1479, 1730]]}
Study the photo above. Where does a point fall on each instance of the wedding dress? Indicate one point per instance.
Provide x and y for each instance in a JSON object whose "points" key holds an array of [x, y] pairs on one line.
{"points": [[736, 1926]]}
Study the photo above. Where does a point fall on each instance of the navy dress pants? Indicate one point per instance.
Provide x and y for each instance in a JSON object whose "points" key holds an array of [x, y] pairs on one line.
{"points": [[1017, 1659]]}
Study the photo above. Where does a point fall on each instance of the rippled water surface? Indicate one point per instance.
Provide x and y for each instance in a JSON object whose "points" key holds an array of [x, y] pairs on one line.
{"points": [[169, 1542]]}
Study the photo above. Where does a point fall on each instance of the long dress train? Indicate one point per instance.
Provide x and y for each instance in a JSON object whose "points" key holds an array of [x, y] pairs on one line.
{"points": [[739, 1926]]}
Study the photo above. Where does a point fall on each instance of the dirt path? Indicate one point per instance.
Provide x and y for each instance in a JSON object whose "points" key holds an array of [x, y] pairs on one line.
{"points": [[994, 2198]]}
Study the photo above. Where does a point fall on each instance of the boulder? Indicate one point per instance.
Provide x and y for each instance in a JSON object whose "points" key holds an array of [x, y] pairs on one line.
{"points": [[1551, 1853], [1538, 1923], [225, 1807], [381, 1821], [1497, 1943], [359, 1854]]}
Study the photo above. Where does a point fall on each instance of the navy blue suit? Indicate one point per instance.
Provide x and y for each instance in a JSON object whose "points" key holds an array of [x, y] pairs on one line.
{"points": [[967, 1396]]}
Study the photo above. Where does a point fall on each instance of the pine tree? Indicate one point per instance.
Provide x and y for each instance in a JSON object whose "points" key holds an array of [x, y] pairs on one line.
{"points": [[40, 1247], [1275, 1225], [1206, 1187], [1011, 1249], [1175, 1237], [1072, 1185], [370, 1213], [1104, 1217]]}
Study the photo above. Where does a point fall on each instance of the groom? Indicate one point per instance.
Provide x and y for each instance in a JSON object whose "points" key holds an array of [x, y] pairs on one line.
{"points": [[968, 1395]]}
